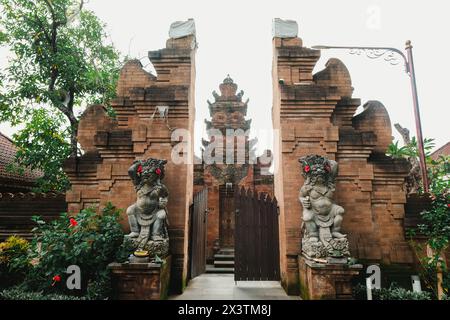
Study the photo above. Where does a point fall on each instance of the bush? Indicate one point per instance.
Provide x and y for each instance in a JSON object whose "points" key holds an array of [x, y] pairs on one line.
{"points": [[394, 292], [13, 262], [99, 289], [17, 293], [89, 240]]}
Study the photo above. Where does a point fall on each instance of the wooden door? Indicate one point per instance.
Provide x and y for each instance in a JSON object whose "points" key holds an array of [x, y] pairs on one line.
{"points": [[198, 233], [226, 217]]}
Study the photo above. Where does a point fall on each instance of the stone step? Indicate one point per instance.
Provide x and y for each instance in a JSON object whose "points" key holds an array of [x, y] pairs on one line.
{"points": [[226, 250], [211, 269], [219, 256], [223, 264]]}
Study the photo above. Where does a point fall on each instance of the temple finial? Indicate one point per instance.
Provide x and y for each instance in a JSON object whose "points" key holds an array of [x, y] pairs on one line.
{"points": [[228, 79]]}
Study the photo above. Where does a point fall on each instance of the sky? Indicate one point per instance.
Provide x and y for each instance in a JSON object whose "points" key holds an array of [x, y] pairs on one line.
{"points": [[235, 37]]}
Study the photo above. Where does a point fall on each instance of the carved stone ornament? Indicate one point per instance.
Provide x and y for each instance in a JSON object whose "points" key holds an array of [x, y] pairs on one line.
{"points": [[148, 215], [322, 217], [229, 173]]}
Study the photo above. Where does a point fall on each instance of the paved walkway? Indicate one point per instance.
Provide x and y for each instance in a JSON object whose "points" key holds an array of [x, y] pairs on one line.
{"points": [[222, 287]]}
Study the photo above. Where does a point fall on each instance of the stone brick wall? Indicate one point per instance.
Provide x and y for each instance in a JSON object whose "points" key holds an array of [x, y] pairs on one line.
{"points": [[138, 132], [315, 115]]}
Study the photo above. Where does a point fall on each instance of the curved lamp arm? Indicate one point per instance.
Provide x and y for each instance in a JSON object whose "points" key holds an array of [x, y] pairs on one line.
{"points": [[373, 53]]}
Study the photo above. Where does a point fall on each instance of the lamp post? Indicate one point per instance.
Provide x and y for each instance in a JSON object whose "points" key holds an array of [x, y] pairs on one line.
{"points": [[391, 55]]}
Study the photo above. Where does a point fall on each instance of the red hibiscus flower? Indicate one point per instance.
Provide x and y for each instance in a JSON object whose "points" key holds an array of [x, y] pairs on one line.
{"points": [[158, 171], [73, 222], [139, 169], [56, 279], [307, 169], [448, 205]]}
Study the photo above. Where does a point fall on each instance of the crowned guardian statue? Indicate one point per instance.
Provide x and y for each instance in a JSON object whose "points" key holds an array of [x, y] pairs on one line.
{"points": [[322, 217], [148, 215]]}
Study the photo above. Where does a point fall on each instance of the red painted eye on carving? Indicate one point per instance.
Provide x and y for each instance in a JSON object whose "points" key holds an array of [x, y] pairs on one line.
{"points": [[307, 168], [158, 171], [139, 169], [327, 168]]}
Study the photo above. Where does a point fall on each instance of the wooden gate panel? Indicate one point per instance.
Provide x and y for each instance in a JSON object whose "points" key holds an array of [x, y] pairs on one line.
{"points": [[256, 237], [264, 244], [226, 217], [198, 233]]}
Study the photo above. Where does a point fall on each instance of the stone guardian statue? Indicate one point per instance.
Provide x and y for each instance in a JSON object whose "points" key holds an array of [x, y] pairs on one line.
{"points": [[148, 215], [322, 217]]}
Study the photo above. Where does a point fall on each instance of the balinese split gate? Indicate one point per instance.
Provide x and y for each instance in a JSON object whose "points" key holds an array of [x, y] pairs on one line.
{"points": [[256, 236]]}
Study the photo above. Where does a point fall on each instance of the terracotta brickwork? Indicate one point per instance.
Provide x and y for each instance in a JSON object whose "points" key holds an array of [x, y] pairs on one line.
{"points": [[314, 114], [138, 132]]}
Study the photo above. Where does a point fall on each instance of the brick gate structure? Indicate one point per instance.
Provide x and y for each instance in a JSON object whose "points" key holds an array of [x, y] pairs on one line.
{"points": [[139, 132], [314, 114]]}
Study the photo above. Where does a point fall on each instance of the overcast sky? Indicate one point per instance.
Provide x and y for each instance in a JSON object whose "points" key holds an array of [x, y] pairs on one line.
{"points": [[234, 37]]}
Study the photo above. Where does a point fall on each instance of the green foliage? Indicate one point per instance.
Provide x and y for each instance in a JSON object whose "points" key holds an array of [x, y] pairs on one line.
{"points": [[435, 227], [89, 240], [411, 149], [12, 265], [3, 37], [124, 251], [11, 248], [439, 172], [18, 293], [43, 147], [100, 288], [436, 220], [436, 224], [397, 152], [60, 63], [394, 292]]}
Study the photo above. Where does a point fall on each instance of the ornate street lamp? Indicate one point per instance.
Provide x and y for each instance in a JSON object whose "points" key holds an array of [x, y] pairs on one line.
{"points": [[392, 55]]}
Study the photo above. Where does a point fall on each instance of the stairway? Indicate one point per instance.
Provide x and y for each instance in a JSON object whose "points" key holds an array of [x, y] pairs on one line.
{"points": [[223, 262]]}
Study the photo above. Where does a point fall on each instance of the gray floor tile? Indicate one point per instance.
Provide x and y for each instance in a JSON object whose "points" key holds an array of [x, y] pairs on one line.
{"points": [[222, 287]]}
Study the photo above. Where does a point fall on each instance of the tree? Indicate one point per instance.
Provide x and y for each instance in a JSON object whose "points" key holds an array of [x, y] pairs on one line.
{"points": [[60, 63]]}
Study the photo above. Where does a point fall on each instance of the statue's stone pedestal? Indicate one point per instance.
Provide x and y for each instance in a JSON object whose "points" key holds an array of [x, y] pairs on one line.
{"points": [[140, 281], [326, 280], [159, 248]]}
